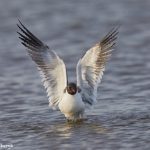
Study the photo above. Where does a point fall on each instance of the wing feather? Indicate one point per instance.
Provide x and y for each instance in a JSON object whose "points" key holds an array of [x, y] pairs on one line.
{"points": [[52, 69], [91, 66]]}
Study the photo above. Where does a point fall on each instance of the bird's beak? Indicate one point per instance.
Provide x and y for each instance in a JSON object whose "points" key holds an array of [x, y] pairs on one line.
{"points": [[73, 90]]}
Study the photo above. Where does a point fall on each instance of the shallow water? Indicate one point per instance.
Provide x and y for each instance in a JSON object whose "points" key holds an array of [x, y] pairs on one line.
{"points": [[121, 118]]}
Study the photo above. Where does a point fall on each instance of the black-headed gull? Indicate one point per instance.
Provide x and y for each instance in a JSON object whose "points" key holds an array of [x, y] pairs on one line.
{"points": [[70, 98]]}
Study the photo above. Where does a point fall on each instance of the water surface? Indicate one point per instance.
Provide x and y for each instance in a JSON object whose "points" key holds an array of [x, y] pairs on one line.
{"points": [[121, 118]]}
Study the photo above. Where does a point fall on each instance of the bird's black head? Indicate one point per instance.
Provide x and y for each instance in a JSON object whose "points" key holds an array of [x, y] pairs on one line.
{"points": [[72, 88]]}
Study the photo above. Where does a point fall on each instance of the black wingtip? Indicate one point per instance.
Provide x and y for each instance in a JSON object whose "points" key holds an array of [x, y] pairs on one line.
{"points": [[28, 38], [19, 24], [19, 20], [111, 36]]}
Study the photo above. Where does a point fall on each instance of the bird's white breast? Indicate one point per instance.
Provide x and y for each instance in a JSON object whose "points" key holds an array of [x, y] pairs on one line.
{"points": [[71, 105]]}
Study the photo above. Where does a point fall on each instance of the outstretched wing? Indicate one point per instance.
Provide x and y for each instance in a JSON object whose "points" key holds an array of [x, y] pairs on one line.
{"points": [[52, 69], [91, 66]]}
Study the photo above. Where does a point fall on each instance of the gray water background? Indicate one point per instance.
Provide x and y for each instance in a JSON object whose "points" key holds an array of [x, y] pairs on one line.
{"points": [[121, 118]]}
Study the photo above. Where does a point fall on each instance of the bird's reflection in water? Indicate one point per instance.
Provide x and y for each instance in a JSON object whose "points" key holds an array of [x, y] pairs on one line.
{"points": [[81, 128]]}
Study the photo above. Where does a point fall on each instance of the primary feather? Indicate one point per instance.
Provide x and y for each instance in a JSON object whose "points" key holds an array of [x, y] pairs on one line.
{"points": [[91, 66], [52, 69]]}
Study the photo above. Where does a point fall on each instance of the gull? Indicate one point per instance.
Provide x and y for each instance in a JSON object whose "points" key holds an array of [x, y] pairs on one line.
{"points": [[72, 99]]}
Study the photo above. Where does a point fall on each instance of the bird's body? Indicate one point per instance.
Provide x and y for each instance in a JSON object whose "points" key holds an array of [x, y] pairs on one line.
{"points": [[70, 98], [72, 106]]}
